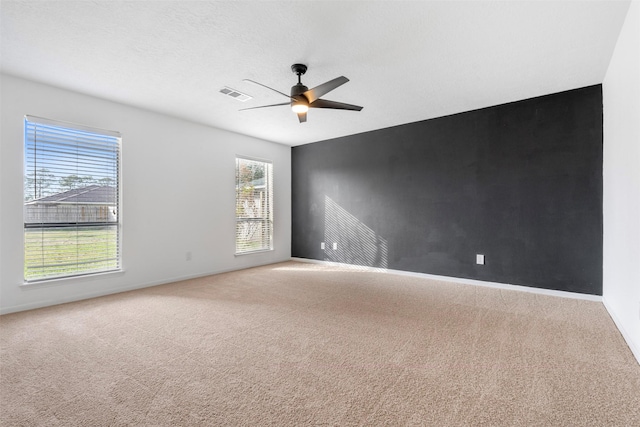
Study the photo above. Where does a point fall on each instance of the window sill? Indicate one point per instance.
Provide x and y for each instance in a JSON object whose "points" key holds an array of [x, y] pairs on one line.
{"points": [[253, 252], [70, 279]]}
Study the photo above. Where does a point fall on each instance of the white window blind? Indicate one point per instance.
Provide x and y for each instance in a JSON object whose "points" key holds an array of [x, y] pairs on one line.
{"points": [[71, 200], [254, 205]]}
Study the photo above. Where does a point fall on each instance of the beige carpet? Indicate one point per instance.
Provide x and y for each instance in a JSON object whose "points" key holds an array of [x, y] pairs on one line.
{"points": [[302, 344]]}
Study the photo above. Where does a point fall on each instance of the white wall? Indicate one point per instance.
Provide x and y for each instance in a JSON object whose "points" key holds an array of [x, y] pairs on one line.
{"points": [[178, 182], [621, 99]]}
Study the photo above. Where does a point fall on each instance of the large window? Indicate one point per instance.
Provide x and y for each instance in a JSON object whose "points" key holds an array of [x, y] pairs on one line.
{"points": [[71, 200], [254, 205]]}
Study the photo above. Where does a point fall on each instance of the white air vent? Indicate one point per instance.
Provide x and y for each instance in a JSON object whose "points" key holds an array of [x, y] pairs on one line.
{"points": [[235, 94]]}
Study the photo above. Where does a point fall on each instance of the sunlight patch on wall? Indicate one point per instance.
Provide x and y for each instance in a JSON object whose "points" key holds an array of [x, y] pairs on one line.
{"points": [[357, 243]]}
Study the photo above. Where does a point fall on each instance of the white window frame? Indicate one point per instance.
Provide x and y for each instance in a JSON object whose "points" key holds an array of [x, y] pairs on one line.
{"points": [[264, 220], [112, 219]]}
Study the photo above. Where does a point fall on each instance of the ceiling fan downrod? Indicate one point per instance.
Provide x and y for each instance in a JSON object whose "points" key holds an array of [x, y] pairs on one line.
{"points": [[299, 70]]}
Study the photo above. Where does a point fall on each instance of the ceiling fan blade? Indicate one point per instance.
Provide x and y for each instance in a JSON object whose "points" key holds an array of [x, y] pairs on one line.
{"points": [[323, 103], [318, 91], [270, 88], [265, 106], [302, 117]]}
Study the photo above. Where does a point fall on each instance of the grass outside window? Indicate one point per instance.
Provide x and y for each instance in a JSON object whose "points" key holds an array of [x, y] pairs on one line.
{"points": [[64, 251]]}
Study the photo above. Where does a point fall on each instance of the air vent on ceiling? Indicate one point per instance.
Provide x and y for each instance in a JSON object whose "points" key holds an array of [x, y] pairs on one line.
{"points": [[235, 94]]}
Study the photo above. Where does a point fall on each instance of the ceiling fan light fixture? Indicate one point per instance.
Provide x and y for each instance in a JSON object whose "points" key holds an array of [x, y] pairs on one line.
{"points": [[299, 106]]}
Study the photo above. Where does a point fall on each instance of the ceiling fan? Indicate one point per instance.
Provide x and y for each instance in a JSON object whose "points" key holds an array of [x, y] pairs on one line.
{"points": [[302, 98]]}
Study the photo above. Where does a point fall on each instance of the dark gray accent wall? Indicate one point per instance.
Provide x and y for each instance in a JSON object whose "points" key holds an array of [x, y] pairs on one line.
{"points": [[520, 183]]}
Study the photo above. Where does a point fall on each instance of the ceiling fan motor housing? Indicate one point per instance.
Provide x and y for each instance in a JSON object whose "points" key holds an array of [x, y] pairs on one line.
{"points": [[298, 89], [298, 99]]}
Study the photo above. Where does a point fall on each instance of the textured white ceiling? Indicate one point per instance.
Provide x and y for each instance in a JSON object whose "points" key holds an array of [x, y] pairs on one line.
{"points": [[407, 61]]}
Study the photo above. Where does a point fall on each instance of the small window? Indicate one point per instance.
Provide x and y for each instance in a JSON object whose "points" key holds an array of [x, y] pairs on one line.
{"points": [[71, 200], [254, 205]]}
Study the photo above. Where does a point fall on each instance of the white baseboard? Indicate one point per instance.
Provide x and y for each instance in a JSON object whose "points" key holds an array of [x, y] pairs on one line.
{"points": [[79, 297], [627, 337], [56, 301], [562, 294]]}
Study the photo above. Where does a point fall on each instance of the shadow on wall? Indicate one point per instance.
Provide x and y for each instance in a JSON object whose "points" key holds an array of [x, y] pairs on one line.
{"points": [[357, 243]]}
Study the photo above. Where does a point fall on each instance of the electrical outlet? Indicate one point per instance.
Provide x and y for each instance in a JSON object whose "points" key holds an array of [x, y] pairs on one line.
{"points": [[322, 245], [188, 256], [335, 246], [480, 259]]}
